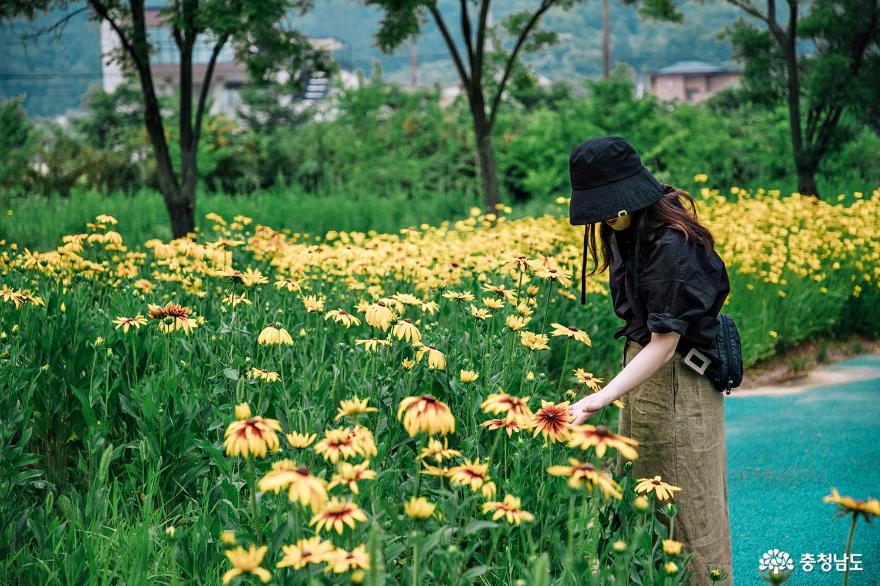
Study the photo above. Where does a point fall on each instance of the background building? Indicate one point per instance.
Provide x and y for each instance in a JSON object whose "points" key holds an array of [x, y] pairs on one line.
{"points": [[691, 81]]}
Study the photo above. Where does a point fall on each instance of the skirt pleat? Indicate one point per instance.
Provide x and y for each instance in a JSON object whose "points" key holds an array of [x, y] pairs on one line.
{"points": [[677, 417]]}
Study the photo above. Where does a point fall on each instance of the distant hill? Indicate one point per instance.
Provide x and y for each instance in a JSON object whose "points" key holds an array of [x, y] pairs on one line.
{"points": [[54, 73]]}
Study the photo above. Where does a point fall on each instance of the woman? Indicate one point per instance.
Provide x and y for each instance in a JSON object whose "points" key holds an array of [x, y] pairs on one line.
{"points": [[671, 409]]}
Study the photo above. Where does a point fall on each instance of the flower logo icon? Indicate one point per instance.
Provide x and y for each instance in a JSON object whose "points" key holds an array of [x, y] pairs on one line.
{"points": [[776, 561]]}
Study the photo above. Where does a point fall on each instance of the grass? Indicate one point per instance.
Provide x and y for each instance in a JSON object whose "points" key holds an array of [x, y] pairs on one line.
{"points": [[39, 222]]}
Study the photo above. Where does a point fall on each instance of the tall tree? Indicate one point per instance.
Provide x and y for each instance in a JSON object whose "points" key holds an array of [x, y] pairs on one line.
{"points": [[483, 64], [257, 30], [841, 70]]}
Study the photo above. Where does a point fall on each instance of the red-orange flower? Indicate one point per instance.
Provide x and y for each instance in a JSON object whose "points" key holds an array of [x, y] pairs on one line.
{"points": [[552, 421]]}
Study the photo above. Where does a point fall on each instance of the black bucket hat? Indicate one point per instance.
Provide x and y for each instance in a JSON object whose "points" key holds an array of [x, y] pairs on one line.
{"points": [[608, 180]]}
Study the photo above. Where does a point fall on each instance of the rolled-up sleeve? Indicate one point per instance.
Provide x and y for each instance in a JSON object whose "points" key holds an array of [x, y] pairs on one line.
{"points": [[677, 285]]}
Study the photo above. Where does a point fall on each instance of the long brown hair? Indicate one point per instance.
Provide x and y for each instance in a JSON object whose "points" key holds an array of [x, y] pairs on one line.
{"points": [[647, 222]]}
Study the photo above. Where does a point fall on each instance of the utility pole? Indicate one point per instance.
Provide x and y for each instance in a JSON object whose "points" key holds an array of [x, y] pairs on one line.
{"points": [[606, 41], [414, 64]]}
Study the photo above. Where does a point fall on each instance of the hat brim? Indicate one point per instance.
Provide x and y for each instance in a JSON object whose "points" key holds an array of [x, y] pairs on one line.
{"points": [[597, 204]]}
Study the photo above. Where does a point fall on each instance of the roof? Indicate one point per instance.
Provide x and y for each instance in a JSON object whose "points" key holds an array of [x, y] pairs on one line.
{"points": [[683, 67]]}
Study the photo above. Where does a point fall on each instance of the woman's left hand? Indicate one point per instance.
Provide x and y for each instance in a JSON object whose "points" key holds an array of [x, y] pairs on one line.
{"points": [[587, 407]]}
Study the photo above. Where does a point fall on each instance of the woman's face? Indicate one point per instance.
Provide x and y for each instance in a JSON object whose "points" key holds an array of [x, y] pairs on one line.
{"points": [[621, 223]]}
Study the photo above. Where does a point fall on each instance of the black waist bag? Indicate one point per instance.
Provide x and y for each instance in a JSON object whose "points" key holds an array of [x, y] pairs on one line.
{"points": [[727, 373]]}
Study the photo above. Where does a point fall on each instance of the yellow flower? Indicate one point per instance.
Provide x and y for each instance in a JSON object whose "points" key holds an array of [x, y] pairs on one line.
{"points": [[588, 379], [408, 363], [456, 296], [571, 332], [406, 330], [868, 509], [340, 560], [473, 474], [372, 344], [438, 452], [247, 562], [436, 359], [336, 514], [289, 284], [493, 303], [272, 335], [172, 317], [773, 333], [552, 421], [701, 178], [585, 435], [480, 313], [313, 304], [343, 317], [671, 547], [586, 475], [337, 443], [234, 300], [227, 537], [641, 503], [619, 546], [300, 440], [419, 508], [510, 427], [267, 375], [379, 315], [252, 436], [513, 408], [534, 341], [301, 485], [305, 551], [128, 322], [670, 567], [660, 488], [350, 474], [426, 414], [468, 376], [242, 411], [509, 509], [353, 407], [499, 291], [515, 322]]}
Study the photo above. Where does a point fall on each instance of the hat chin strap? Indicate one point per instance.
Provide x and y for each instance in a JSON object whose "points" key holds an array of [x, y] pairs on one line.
{"points": [[584, 270]]}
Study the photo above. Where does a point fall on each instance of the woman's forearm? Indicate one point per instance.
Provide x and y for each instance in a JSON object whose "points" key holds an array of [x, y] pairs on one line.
{"points": [[638, 370]]}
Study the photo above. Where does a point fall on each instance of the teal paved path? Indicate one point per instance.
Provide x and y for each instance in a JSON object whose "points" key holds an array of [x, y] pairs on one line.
{"points": [[785, 453]]}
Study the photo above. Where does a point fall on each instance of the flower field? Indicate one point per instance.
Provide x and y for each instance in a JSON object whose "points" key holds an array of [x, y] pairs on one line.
{"points": [[254, 405]]}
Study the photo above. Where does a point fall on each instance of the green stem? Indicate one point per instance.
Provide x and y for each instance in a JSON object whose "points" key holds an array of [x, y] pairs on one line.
{"points": [[415, 563], [546, 306], [252, 477], [564, 363], [849, 540]]}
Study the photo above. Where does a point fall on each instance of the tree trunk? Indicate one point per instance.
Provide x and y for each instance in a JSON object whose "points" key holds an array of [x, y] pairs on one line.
{"points": [[488, 170], [807, 181], [181, 212]]}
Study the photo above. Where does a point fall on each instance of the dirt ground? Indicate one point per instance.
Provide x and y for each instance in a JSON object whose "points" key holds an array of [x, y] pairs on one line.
{"points": [[798, 368]]}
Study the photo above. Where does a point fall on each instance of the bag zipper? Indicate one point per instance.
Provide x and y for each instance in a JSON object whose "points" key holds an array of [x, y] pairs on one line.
{"points": [[729, 356]]}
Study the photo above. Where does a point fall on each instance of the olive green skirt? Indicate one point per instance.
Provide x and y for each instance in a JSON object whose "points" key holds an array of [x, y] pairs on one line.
{"points": [[678, 418]]}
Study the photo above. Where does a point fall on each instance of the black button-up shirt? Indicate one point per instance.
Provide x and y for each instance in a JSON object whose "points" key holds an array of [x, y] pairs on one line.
{"points": [[681, 289]]}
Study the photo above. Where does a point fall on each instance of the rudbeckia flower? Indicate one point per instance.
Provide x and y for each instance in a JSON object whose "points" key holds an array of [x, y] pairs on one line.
{"points": [[353, 407], [313, 303], [436, 359], [252, 437], [438, 452], [336, 514], [289, 284], [513, 408], [379, 316], [509, 509], [660, 488], [301, 485], [350, 474], [406, 330], [571, 332], [426, 414], [172, 317], [671, 547], [552, 421], [247, 562], [467, 376], [343, 317], [305, 551], [515, 322], [372, 344], [534, 341], [472, 473], [510, 427], [337, 443], [586, 475], [588, 379], [128, 322], [586, 435], [266, 375], [479, 313], [272, 335], [419, 508], [846, 505], [300, 440], [456, 296], [340, 561]]}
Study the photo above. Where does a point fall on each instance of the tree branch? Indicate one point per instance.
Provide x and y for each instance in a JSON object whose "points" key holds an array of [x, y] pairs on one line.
{"points": [[749, 9], [203, 93], [54, 29], [104, 13], [508, 68], [477, 68], [438, 18], [466, 32]]}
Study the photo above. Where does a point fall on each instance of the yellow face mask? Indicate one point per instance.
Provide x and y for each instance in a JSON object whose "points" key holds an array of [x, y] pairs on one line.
{"points": [[621, 223]]}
